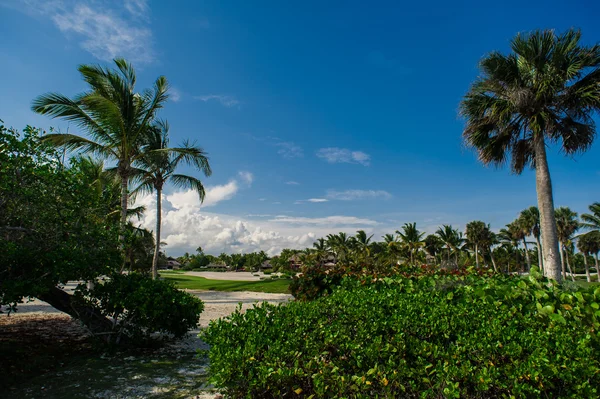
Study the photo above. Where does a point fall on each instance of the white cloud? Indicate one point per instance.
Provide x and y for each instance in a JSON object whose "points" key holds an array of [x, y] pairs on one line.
{"points": [[174, 94], [224, 100], [262, 199], [313, 200], [186, 226], [289, 150], [138, 8], [326, 221], [343, 155], [292, 183], [350, 195], [216, 194], [105, 28], [246, 177]]}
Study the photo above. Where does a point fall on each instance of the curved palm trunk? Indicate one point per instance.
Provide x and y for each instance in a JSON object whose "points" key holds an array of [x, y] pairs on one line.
{"points": [[569, 266], [493, 261], [540, 260], [545, 199], [587, 268], [476, 256], [158, 223], [527, 255], [597, 270], [562, 262]]}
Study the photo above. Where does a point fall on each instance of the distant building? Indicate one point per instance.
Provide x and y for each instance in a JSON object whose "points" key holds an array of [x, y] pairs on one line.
{"points": [[295, 262], [172, 263], [266, 265]]}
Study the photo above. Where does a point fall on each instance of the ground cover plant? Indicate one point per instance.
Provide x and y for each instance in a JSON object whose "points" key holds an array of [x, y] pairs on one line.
{"points": [[432, 335]]}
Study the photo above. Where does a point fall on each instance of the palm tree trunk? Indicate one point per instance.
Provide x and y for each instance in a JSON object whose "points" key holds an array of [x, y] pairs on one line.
{"points": [[493, 261], [569, 266], [527, 255], [124, 202], [476, 256], [158, 223], [597, 270], [546, 206], [540, 260], [562, 262], [587, 268]]}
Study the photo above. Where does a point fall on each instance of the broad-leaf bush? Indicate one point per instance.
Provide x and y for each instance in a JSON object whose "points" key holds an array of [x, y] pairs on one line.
{"points": [[428, 336], [141, 306]]}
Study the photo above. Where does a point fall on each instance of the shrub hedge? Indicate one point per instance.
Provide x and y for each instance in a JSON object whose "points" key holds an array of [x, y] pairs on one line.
{"points": [[430, 336], [141, 306]]}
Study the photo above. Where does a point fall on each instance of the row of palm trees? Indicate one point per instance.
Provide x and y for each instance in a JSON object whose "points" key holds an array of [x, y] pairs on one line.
{"points": [[121, 125], [448, 246]]}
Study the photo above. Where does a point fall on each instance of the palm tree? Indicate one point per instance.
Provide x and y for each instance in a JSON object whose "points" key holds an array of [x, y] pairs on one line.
{"points": [[157, 166], [433, 245], [523, 225], [546, 91], [411, 238], [530, 221], [339, 244], [362, 241], [587, 243], [452, 239], [567, 225], [476, 232], [491, 240], [115, 118], [321, 250], [591, 220], [510, 237]]}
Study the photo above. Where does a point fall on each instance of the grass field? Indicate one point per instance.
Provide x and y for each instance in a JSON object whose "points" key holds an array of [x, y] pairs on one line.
{"points": [[278, 286]]}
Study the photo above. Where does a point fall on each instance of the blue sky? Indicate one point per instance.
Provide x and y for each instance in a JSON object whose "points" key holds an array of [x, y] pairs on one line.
{"points": [[318, 116]]}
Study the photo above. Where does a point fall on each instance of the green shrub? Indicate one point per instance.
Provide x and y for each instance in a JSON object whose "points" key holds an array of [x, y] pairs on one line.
{"points": [[432, 336], [142, 306]]}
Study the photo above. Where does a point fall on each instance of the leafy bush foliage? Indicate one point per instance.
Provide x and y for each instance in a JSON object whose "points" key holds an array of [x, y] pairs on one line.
{"points": [[315, 282], [427, 336], [141, 306], [52, 224]]}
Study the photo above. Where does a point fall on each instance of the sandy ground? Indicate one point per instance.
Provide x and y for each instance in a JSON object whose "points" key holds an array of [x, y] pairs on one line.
{"points": [[217, 304]]}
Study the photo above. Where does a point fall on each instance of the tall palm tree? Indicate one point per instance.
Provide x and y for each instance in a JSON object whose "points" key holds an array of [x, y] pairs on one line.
{"points": [[452, 239], [567, 225], [157, 166], [546, 91], [115, 118], [340, 244], [591, 220], [411, 239], [476, 232], [530, 221]]}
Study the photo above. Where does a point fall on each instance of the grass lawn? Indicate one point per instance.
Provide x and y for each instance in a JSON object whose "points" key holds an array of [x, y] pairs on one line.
{"points": [[278, 286]]}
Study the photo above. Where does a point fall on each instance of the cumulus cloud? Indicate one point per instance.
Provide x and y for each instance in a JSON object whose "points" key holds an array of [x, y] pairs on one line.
{"points": [[343, 155], [224, 100], [186, 226], [350, 195], [105, 28]]}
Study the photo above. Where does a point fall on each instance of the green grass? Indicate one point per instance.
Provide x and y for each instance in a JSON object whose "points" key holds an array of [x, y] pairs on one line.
{"points": [[278, 286]]}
